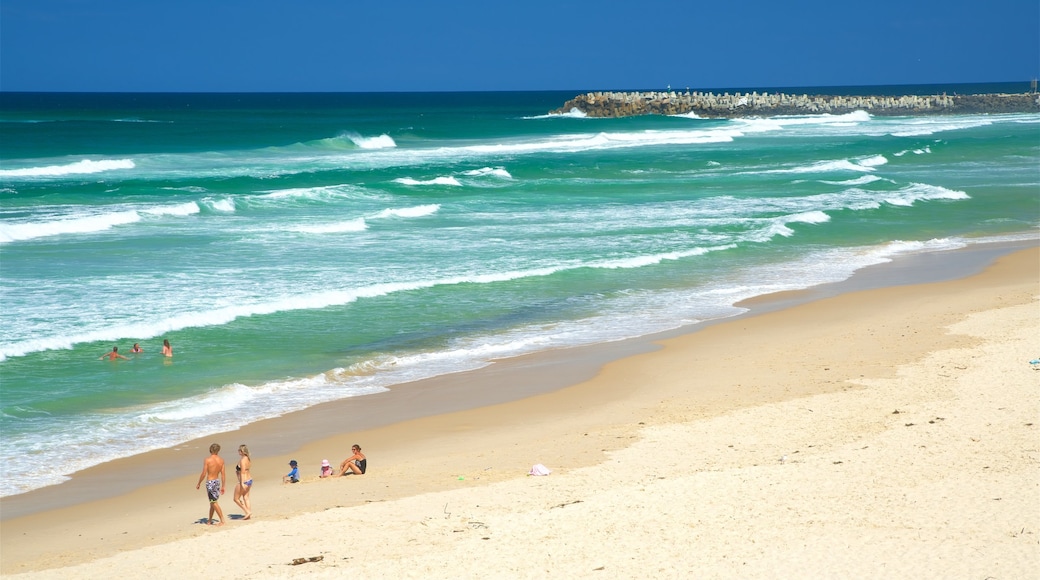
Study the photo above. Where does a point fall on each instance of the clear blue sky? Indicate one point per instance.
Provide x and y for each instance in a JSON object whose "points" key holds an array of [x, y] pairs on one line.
{"points": [[469, 45]]}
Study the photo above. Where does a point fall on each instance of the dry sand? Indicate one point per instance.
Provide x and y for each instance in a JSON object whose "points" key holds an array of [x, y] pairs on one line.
{"points": [[892, 433]]}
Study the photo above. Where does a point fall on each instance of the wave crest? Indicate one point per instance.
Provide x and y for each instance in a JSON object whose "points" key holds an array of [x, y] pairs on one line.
{"points": [[84, 167]]}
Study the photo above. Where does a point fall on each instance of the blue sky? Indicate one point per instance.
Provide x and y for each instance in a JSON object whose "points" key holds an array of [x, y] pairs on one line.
{"points": [[412, 45]]}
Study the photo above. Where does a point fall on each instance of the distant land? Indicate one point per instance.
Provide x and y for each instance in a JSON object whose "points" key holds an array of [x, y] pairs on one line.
{"points": [[756, 104]]}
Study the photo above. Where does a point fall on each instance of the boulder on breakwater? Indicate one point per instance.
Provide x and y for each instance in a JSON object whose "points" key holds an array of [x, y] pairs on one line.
{"points": [[727, 105]]}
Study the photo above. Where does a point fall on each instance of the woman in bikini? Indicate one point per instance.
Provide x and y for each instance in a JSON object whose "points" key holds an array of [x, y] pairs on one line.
{"points": [[245, 481], [356, 463]]}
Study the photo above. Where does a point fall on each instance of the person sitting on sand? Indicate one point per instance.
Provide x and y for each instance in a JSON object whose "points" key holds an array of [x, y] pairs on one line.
{"points": [[113, 355], [294, 474], [326, 469], [356, 463]]}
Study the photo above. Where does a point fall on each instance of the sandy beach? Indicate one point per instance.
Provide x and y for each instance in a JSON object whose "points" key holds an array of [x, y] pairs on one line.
{"points": [[890, 432]]}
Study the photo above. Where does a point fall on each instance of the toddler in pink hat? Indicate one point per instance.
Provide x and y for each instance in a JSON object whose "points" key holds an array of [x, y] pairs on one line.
{"points": [[326, 469]]}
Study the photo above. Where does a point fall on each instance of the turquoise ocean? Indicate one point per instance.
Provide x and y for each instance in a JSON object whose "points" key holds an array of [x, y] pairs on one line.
{"points": [[303, 248]]}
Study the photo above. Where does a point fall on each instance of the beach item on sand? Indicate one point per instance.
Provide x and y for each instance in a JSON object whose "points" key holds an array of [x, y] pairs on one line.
{"points": [[539, 469]]}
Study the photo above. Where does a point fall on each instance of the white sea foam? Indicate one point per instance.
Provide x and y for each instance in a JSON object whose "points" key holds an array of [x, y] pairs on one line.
{"points": [[84, 167], [863, 164], [921, 126], [354, 225], [649, 260], [921, 151], [89, 221], [415, 211], [499, 172], [443, 180], [189, 189], [14, 232], [380, 142], [766, 124], [913, 192], [861, 180], [182, 209], [574, 113], [872, 161], [319, 193], [226, 205]]}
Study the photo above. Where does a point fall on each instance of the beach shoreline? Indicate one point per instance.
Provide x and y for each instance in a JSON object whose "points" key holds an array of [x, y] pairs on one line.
{"points": [[513, 379], [448, 432]]}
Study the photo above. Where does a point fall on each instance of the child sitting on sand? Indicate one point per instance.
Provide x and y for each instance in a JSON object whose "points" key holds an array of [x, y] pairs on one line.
{"points": [[294, 474], [326, 469]]}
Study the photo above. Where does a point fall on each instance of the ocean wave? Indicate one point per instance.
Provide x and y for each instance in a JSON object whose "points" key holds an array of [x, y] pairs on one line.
{"points": [[780, 225], [381, 151], [872, 161], [181, 209], [919, 151], [913, 192], [294, 301], [814, 208], [863, 164], [187, 188], [87, 224], [861, 180], [574, 113], [344, 142], [226, 205], [499, 172], [323, 192], [83, 167], [141, 121], [354, 225], [81, 225], [650, 260], [443, 180], [766, 124], [416, 211], [380, 142], [922, 126]]}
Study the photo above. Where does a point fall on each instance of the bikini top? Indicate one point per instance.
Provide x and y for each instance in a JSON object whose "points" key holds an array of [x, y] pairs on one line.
{"points": [[238, 468]]}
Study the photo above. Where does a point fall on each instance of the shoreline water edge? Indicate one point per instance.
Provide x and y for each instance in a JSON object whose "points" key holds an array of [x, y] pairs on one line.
{"points": [[909, 299], [455, 391]]}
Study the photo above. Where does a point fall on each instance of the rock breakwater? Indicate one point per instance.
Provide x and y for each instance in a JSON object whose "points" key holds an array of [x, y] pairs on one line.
{"points": [[731, 105]]}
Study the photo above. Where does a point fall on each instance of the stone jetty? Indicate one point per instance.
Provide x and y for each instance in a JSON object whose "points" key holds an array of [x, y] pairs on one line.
{"points": [[755, 104]]}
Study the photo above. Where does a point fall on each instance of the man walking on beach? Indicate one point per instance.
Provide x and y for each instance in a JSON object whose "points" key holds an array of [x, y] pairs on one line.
{"points": [[214, 474]]}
